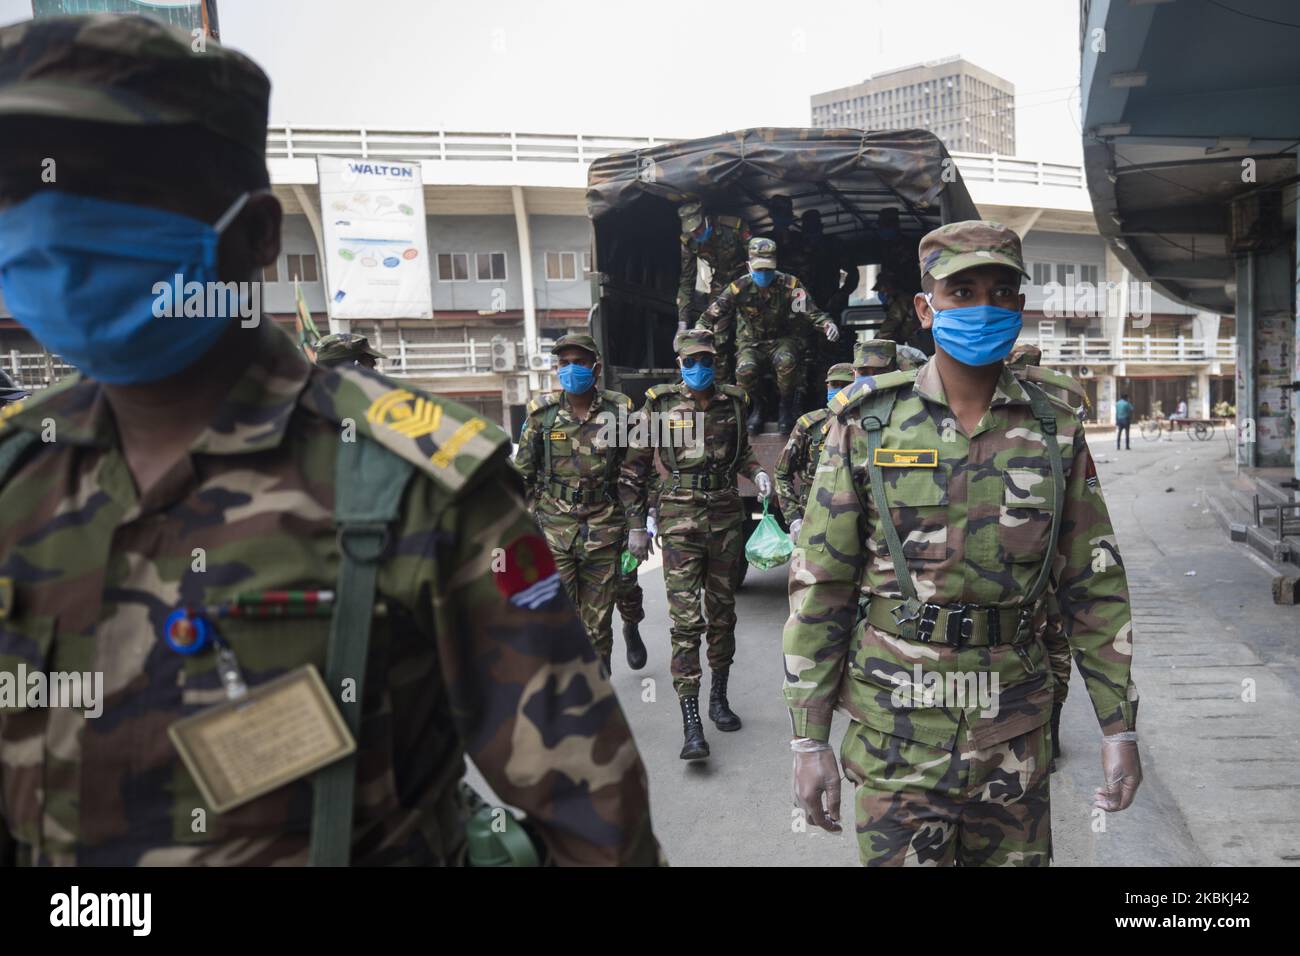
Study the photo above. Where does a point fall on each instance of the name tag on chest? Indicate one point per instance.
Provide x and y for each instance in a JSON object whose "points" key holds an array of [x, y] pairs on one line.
{"points": [[907, 457]]}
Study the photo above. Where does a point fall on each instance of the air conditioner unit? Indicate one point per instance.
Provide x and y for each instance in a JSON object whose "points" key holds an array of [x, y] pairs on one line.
{"points": [[503, 354], [1085, 371], [515, 391], [539, 362]]}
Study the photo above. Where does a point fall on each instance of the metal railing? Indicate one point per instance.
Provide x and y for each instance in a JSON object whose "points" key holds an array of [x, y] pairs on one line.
{"points": [[414, 360], [299, 142], [1080, 349], [303, 142]]}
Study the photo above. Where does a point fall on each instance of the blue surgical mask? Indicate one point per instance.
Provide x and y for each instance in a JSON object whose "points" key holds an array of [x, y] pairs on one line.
{"points": [[703, 237], [79, 273], [977, 334], [576, 379], [832, 392], [883, 297], [698, 376], [859, 380], [762, 277]]}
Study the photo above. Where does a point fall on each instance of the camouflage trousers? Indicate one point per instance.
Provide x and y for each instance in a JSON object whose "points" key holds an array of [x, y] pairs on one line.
{"points": [[589, 578], [699, 567], [781, 356], [630, 597], [917, 805]]}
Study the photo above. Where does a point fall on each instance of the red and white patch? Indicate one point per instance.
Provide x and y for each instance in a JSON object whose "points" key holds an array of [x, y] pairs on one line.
{"points": [[530, 577]]}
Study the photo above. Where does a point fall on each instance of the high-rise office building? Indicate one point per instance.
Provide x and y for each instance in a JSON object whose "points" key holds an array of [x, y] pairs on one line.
{"points": [[970, 109]]}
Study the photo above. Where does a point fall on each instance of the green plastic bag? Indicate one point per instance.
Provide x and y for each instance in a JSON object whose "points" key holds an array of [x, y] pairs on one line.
{"points": [[628, 562], [768, 546]]}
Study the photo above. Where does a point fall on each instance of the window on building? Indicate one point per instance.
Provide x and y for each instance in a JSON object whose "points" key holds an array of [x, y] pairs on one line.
{"points": [[1088, 274], [453, 267], [586, 262], [1042, 273], [271, 273], [1066, 272], [561, 267], [302, 267], [491, 266]]}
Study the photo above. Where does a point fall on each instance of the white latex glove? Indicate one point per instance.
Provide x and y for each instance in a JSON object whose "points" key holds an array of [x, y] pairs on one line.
{"points": [[1121, 772], [817, 783], [832, 332], [763, 484], [795, 525], [651, 525], [640, 544]]}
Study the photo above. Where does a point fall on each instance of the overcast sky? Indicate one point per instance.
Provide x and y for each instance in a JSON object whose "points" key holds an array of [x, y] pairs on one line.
{"points": [[663, 68]]}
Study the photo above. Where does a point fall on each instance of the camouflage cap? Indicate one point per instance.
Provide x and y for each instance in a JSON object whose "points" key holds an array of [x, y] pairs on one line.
{"points": [[577, 340], [875, 354], [343, 347], [964, 245], [762, 253], [840, 372], [909, 358], [692, 215], [694, 340], [1025, 354], [131, 70]]}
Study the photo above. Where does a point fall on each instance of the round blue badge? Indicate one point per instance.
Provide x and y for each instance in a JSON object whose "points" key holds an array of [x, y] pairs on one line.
{"points": [[185, 633]]}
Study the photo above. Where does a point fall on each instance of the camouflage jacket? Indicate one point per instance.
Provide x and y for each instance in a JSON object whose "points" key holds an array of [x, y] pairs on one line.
{"points": [[471, 657], [580, 496], [974, 529], [761, 315], [798, 461], [714, 449], [726, 251]]}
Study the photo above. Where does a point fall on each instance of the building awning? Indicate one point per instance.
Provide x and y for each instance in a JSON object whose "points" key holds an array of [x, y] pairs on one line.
{"points": [[1190, 107]]}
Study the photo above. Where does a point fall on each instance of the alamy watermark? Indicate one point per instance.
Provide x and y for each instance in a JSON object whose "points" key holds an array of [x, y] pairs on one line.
{"points": [[208, 300], [948, 689], [75, 690], [1083, 300]]}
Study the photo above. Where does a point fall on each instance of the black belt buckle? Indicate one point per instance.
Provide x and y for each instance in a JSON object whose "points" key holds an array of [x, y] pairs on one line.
{"points": [[929, 617], [960, 625]]}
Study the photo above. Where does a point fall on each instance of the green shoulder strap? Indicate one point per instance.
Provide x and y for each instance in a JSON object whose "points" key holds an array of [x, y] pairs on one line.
{"points": [[368, 484], [668, 448], [548, 422], [12, 448], [875, 416], [1046, 415]]}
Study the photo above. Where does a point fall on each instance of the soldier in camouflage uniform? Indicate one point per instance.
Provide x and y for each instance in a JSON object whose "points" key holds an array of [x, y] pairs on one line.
{"points": [[229, 473], [901, 323], [827, 258], [346, 348], [947, 502], [874, 357], [702, 445], [569, 456], [769, 311], [720, 241], [799, 458]]}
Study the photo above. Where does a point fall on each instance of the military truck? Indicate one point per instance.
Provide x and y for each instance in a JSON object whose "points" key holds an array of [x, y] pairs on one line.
{"points": [[877, 193]]}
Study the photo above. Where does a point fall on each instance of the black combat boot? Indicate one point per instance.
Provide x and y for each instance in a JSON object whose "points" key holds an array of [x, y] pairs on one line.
{"points": [[719, 710], [755, 421], [1056, 736], [695, 747], [636, 655], [786, 424]]}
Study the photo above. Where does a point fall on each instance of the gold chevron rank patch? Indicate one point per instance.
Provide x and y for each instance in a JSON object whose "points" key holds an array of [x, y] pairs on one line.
{"points": [[907, 457], [407, 414]]}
